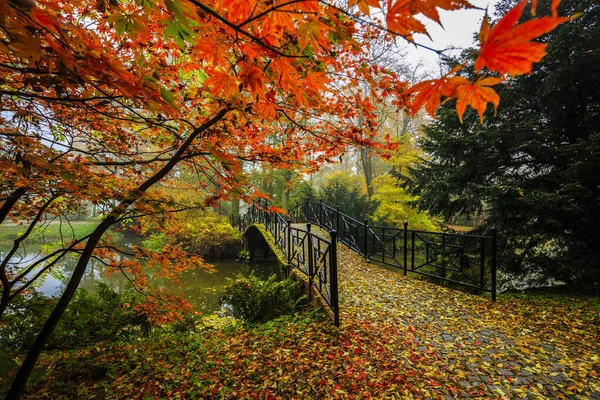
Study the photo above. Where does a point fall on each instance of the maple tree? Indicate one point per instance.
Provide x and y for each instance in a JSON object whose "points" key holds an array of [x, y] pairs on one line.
{"points": [[102, 101]]}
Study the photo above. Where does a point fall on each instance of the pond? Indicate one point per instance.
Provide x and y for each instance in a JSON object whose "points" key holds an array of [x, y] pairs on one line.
{"points": [[199, 287]]}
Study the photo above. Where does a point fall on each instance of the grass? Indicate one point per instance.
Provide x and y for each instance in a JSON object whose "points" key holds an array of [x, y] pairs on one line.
{"points": [[48, 233]]}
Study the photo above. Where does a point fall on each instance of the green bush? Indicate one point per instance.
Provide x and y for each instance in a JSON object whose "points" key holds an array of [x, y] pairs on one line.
{"points": [[155, 242], [89, 319], [258, 300], [207, 234]]}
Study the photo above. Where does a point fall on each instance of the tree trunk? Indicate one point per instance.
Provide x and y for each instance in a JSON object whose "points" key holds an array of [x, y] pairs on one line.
{"points": [[4, 299], [235, 207], [40, 342], [285, 196], [366, 159]]}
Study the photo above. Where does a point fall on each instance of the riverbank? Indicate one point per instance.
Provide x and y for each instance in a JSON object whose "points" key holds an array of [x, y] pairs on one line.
{"points": [[50, 232]]}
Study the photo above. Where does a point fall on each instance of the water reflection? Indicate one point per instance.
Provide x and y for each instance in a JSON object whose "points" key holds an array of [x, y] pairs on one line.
{"points": [[199, 287]]}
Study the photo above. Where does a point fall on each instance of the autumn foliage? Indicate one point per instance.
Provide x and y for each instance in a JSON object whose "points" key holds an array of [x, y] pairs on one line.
{"points": [[103, 102]]}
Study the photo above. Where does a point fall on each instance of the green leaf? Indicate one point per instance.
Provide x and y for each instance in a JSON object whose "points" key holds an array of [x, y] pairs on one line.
{"points": [[168, 96], [179, 32], [131, 24]]}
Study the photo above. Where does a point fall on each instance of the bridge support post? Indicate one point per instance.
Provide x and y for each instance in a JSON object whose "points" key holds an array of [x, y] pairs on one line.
{"points": [[366, 237], [333, 276], [494, 265], [405, 246], [308, 242]]}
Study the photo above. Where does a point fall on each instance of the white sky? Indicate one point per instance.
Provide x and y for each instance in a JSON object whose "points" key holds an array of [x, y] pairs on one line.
{"points": [[458, 31]]}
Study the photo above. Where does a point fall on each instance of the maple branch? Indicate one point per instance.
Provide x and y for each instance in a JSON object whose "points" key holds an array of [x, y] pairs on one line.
{"points": [[385, 29], [149, 161], [57, 99], [273, 8], [26, 70], [17, 242], [225, 21], [16, 195], [59, 256], [305, 129], [172, 211]]}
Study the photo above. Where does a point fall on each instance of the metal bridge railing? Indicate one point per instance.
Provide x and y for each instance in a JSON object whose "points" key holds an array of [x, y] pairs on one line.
{"points": [[312, 255], [461, 259]]}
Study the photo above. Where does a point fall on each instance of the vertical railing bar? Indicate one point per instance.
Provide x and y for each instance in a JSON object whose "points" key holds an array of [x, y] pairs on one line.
{"points": [[310, 262], [482, 265], [334, 278], [412, 252], [394, 246], [443, 255], [320, 222], [366, 237], [494, 266], [382, 244], [405, 247], [289, 240]]}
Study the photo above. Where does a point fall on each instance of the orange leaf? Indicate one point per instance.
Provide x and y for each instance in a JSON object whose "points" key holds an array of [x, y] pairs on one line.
{"points": [[240, 10], [400, 16], [429, 94], [533, 7], [554, 7], [507, 49], [252, 77], [222, 82], [266, 109], [400, 21], [477, 95]]}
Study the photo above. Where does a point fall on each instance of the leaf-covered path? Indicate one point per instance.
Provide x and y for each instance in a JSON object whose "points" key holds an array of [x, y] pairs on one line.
{"points": [[461, 346]]}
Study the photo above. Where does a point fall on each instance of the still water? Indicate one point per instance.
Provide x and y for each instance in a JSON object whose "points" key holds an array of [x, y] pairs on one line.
{"points": [[198, 286]]}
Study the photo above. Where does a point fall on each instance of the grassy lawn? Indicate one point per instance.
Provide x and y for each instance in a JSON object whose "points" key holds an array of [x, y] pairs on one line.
{"points": [[48, 233]]}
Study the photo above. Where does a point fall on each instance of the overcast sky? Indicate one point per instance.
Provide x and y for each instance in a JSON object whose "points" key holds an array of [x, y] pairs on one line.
{"points": [[458, 31]]}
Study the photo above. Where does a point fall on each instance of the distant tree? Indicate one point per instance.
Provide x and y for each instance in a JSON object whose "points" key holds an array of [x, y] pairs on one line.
{"points": [[348, 192], [533, 169], [394, 204]]}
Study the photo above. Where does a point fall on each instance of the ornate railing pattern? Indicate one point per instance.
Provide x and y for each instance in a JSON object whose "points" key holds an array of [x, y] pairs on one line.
{"points": [[462, 259], [312, 255]]}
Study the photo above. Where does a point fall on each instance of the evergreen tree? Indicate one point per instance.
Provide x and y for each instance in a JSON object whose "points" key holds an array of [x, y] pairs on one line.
{"points": [[533, 169]]}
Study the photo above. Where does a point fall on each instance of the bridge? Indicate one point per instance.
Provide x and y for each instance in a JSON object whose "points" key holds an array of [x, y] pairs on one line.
{"points": [[307, 240]]}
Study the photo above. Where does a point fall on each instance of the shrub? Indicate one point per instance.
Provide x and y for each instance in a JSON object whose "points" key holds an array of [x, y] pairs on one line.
{"points": [[89, 319], [259, 300], [207, 234]]}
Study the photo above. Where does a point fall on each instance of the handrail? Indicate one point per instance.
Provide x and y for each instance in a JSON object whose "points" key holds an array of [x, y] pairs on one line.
{"points": [[462, 259], [312, 255]]}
